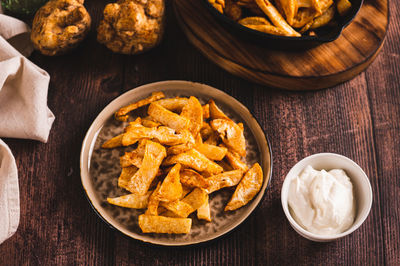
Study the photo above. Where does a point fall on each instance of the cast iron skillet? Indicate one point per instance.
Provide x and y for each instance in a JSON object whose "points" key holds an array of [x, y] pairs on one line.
{"points": [[323, 35]]}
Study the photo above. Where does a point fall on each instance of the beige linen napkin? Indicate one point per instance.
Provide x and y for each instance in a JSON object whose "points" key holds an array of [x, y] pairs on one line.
{"points": [[23, 112], [9, 193]]}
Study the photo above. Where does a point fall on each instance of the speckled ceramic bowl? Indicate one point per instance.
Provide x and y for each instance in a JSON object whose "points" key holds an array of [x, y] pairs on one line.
{"points": [[100, 168]]}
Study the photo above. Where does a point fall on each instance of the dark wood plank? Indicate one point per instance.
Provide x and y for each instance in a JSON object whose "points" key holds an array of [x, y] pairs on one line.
{"points": [[359, 119], [383, 79]]}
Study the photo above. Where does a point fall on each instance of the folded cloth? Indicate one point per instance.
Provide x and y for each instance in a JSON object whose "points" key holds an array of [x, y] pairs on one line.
{"points": [[23, 112], [23, 90], [9, 193]]}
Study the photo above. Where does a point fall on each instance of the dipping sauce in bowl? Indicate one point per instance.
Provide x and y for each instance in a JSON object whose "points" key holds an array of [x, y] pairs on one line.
{"points": [[322, 202], [334, 211]]}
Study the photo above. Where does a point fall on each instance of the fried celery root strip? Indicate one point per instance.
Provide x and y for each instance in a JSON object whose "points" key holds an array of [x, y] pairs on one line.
{"points": [[177, 149], [178, 208], [225, 179], [215, 112], [190, 203], [212, 152], [275, 17], [235, 161], [248, 187], [113, 142], [122, 113], [126, 175], [206, 130], [204, 213], [132, 201], [171, 187], [164, 225], [324, 19], [154, 201], [150, 122], [231, 134], [191, 178], [254, 21], [206, 111], [164, 135], [168, 118], [289, 8], [194, 112], [131, 158], [173, 104], [195, 160], [153, 156], [196, 198], [268, 29], [343, 6]]}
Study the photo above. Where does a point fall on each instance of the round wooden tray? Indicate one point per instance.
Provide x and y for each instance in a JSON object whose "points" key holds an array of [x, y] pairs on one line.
{"points": [[320, 67]]}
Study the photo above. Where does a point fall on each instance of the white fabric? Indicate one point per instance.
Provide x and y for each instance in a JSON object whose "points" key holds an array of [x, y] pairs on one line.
{"points": [[9, 193], [23, 112]]}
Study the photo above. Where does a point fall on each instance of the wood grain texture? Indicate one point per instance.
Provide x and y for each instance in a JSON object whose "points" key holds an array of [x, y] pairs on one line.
{"points": [[316, 68], [359, 119]]}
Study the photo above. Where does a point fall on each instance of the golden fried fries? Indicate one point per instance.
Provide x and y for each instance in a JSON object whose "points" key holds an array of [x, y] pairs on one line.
{"points": [[231, 134], [126, 175], [113, 142], [225, 179], [121, 114], [164, 135], [154, 201], [343, 6], [195, 160], [166, 225], [275, 17], [204, 213], [171, 187], [173, 104], [215, 112], [206, 111], [132, 201], [212, 152], [152, 159], [253, 21], [191, 178], [194, 112], [247, 188], [205, 149], [235, 161], [168, 118], [324, 19]]}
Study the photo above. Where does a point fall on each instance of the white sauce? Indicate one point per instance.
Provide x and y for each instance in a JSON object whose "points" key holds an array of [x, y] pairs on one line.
{"points": [[322, 202]]}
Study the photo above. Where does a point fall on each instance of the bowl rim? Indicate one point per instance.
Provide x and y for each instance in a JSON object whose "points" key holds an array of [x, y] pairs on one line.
{"points": [[312, 236], [88, 145], [340, 27]]}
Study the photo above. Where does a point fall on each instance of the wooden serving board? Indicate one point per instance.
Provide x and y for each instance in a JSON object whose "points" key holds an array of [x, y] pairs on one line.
{"points": [[320, 67]]}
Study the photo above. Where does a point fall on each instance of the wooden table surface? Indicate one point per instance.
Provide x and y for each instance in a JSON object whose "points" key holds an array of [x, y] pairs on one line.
{"points": [[359, 119]]}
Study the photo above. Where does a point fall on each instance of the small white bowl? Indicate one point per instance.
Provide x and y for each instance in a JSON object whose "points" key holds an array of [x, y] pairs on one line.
{"points": [[361, 186]]}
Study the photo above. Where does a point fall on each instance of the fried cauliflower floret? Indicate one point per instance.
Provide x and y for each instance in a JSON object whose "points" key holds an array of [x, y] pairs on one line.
{"points": [[59, 26], [132, 26]]}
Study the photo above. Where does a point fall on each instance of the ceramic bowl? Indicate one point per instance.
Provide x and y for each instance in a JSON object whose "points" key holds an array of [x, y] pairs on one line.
{"points": [[100, 168], [361, 187]]}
